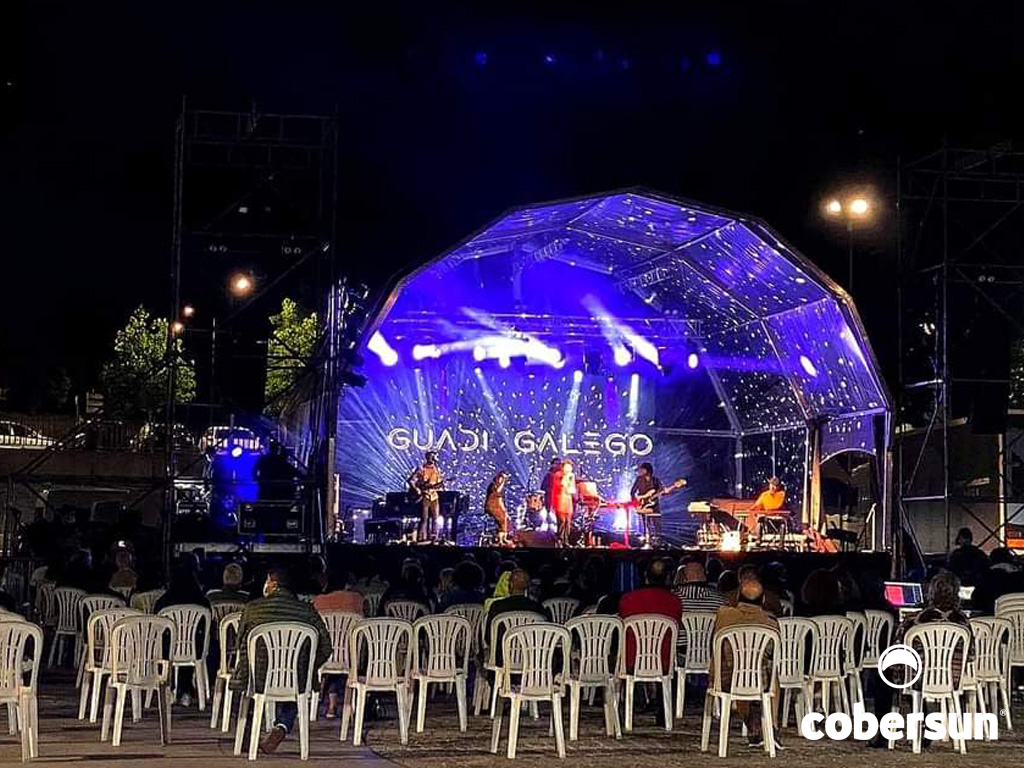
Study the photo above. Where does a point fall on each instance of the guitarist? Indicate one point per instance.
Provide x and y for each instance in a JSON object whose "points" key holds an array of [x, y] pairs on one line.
{"points": [[424, 484], [646, 493]]}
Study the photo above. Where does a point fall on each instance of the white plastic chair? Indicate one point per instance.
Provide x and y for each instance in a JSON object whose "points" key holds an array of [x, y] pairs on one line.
{"points": [[96, 660], [387, 669], [139, 664], [222, 608], [474, 614], [44, 612], [190, 650], [124, 592], [991, 654], [529, 653], [406, 610], [942, 677], [832, 637], [17, 663], [1016, 652], [445, 660], [855, 651], [651, 632], [561, 609], [86, 607], [1014, 601], [502, 623], [787, 606], [750, 646], [697, 629], [371, 603], [227, 630], [877, 636], [339, 626], [792, 667], [145, 601], [285, 644], [598, 640], [66, 600]]}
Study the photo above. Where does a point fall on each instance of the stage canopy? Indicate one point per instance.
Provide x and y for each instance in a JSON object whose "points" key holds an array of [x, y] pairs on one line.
{"points": [[682, 319]]}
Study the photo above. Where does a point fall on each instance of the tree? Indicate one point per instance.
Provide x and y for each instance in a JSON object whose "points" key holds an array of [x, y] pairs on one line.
{"points": [[291, 346], [134, 382]]}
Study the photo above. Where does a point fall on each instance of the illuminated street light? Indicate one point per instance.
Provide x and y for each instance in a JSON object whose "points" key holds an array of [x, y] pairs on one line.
{"points": [[188, 310], [834, 208], [858, 207], [177, 327], [241, 284]]}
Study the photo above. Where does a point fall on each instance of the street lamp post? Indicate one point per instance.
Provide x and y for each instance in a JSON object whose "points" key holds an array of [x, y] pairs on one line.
{"points": [[854, 209]]}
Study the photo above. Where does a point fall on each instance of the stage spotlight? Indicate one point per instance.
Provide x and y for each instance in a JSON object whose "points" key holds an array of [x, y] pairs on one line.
{"points": [[423, 351], [504, 361], [380, 347], [633, 409], [834, 207], [808, 366], [622, 356], [577, 376], [479, 353], [692, 360], [859, 206]]}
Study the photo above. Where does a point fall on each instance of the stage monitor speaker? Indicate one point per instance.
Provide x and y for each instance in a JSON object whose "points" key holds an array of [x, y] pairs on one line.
{"points": [[536, 539], [270, 518]]}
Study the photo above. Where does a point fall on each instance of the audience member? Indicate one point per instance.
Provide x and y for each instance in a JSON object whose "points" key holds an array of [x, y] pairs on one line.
{"points": [[625, 579], [184, 589], [336, 597], [278, 603], [728, 583], [124, 577], [967, 561], [1003, 576], [821, 595], [411, 586], [467, 580], [231, 590], [655, 597], [693, 590], [517, 585]]}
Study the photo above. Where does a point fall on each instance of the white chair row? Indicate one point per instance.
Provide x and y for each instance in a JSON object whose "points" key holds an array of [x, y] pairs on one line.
{"points": [[21, 651]]}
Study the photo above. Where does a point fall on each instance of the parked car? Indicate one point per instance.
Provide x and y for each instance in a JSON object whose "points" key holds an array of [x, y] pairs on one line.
{"points": [[224, 438], [153, 437], [15, 435], [100, 434]]}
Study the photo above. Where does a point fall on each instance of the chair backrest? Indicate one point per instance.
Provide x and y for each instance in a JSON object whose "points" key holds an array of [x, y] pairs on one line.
{"points": [[387, 643], [831, 639], [474, 614], [1016, 619], [124, 592], [286, 644], [937, 642], [750, 646], [221, 608], [407, 610], [228, 635], [991, 648], [446, 650], [339, 626], [561, 609], [371, 603], [190, 621], [697, 629], [502, 624], [14, 641], [144, 601], [45, 608], [599, 640], [535, 646], [97, 634], [787, 606], [650, 632], [89, 604], [67, 601], [792, 658], [1014, 601], [140, 650], [858, 639], [877, 636]]}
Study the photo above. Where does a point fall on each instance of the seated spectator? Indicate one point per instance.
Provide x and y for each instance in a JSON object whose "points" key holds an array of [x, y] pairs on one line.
{"points": [[821, 595], [7, 600], [655, 597], [231, 591], [728, 583], [335, 596], [748, 610], [517, 584], [942, 603], [279, 603], [184, 589], [411, 586], [124, 577], [1004, 576], [625, 579], [444, 584], [967, 561], [693, 590], [467, 580], [771, 601], [590, 585]]}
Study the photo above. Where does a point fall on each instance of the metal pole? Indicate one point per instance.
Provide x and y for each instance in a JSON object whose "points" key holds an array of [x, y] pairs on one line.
{"points": [[849, 243], [944, 292]]}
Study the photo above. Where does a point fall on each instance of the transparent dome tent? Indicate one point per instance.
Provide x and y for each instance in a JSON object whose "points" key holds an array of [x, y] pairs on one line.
{"points": [[623, 313]]}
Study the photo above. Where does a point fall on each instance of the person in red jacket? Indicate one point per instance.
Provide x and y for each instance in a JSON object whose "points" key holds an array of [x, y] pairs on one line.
{"points": [[656, 597]]}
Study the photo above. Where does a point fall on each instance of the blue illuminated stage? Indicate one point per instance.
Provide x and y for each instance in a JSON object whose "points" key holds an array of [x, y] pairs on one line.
{"points": [[613, 330]]}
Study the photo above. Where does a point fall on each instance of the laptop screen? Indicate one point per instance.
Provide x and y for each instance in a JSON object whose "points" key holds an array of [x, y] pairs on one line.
{"points": [[904, 594]]}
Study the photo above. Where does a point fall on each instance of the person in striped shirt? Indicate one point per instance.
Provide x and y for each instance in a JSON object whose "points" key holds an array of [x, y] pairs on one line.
{"points": [[693, 590]]}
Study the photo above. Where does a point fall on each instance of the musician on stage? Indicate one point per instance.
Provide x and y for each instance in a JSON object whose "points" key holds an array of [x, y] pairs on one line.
{"points": [[425, 483], [770, 500], [645, 494], [494, 505], [561, 500]]}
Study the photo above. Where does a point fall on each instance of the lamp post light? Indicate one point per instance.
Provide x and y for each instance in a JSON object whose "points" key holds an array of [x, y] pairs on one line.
{"points": [[853, 209]]}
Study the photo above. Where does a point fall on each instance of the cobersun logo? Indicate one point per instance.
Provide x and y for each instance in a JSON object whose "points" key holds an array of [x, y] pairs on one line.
{"points": [[863, 726]]}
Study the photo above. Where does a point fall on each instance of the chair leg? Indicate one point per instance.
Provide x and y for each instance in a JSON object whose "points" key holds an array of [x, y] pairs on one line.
{"points": [[629, 704], [1003, 691], [26, 745], [611, 702], [83, 697], [460, 697], [917, 706], [958, 714], [225, 717], [259, 705], [666, 701], [314, 706], [122, 696], [556, 706], [357, 737], [496, 724], [787, 696], [767, 729], [218, 695], [404, 713], [137, 704], [346, 711], [705, 723], [33, 741], [421, 704], [108, 710], [243, 717], [680, 694], [165, 691], [53, 651], [303, 714], [494, 690], [574, 711], [161, 703], [723, 734], [515, 708], [199, 677]]}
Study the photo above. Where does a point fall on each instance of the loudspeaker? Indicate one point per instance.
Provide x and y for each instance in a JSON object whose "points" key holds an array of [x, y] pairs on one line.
{"points": [[270, 518], [536, 539]]}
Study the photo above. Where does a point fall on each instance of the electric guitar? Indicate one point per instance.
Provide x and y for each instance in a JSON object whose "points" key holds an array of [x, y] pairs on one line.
{"points": [[645, 501]]}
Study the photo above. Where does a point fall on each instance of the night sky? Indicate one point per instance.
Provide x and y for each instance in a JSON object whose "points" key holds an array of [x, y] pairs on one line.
{"points": [[449, 117]]}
